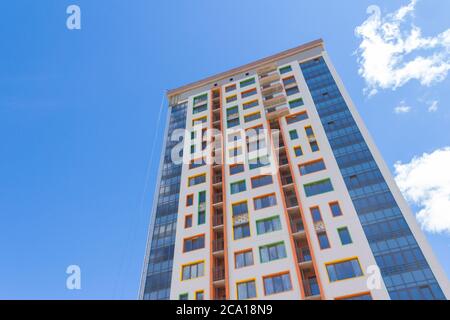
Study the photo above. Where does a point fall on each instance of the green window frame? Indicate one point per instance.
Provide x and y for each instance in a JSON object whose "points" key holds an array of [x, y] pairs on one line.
{"points": [[238, 186], [247, 82], [272, 252], [268, 225]]}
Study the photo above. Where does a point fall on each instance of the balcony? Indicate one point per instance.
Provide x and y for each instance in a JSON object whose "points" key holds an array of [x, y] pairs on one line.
{"points": [[268, 78], [303, 255], [217, 198], [297, 225], [266, 70], [275, 100], [218, 273], [218, 220], [271, 88], [219, 293], [276, 112], [217, 179], [311, 288], [218, 245], [291, 201]]}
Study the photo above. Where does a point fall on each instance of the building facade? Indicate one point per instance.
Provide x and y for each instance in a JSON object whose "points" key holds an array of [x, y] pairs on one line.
{"points": [[270, 187]]}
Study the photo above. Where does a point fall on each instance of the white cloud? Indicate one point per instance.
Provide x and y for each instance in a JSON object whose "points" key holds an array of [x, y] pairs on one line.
{"points": [[393, 52], [433, 106], [425, 182], [402, 108]]}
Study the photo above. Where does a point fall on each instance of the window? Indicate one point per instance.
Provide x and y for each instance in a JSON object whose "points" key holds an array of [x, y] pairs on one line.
{"points": [[265, 201], [199, 109], [239, 208], [344, 270], [309, 132], [272, 252], [268, 225], [196, 180], [231, 98], [315, 213], [293, 134], [234, 137], [362, 296], [311, 167], [193, 149], [241, 231], [230, 88], [232, 111], [189, 200], [296, 103], [233, 123], [314, 146], [247, 82], [243, 259], [199, 121], [248, 93], [297, 117], [238, 186], [202, 197], [324, 243], [258, 162], [277, 283], [183, 296], [188, 221], [195, 243], [252, 117], [192, 271], [289, 80], [344, 235], [236, 168], [261, 181], [250, 104], [335, 209], [200, 295], [298, 151], [291, 91], [285, 69], [196, 163], [318, 187], [201, 217], [246, 290], [201, 98]]}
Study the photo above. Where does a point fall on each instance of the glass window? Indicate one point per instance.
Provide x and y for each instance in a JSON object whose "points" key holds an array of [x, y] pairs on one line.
{"points": [[243, 259], [201, 217], [194, 243], [246, 290], [298, 151], [189, 200], [241, 231], [197, 180], [188, 221], [192, 271], [312, 167], [293, 134], [268, 225], [233, 110], [315, 213], [261, 181], [248, 93], [297, 117], [184, 296], [250, 104], [344, 235], [199, 295], [201, 98], [318, 187], [272, 252], [252, 117], [335, 209], [285, 69], [296, 103], [236, 168], [265, 202], [233, 123], [230, 88], [314, 146], [199, 109], [231, 98], [238, 186], [344, 270], [202, 197], [258, 162], [288, 80], [291, 91], [364, 296], [240, 208], [247, 82], [199, 121], [324, 243], [277, 284]]}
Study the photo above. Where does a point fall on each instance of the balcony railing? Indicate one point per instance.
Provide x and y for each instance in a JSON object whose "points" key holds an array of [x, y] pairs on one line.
{"points": [[303, 255], [218, 198], [311, 287], [286, 180], [218, 273], [217, 220], [291, 201], [297, 225], [218, 245]]}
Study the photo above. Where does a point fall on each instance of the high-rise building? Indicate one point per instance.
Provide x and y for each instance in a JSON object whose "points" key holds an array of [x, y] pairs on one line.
{"points": [[270, 187]]}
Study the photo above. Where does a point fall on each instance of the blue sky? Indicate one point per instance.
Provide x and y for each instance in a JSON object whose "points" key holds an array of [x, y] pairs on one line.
{"points": [[78, 119]]}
